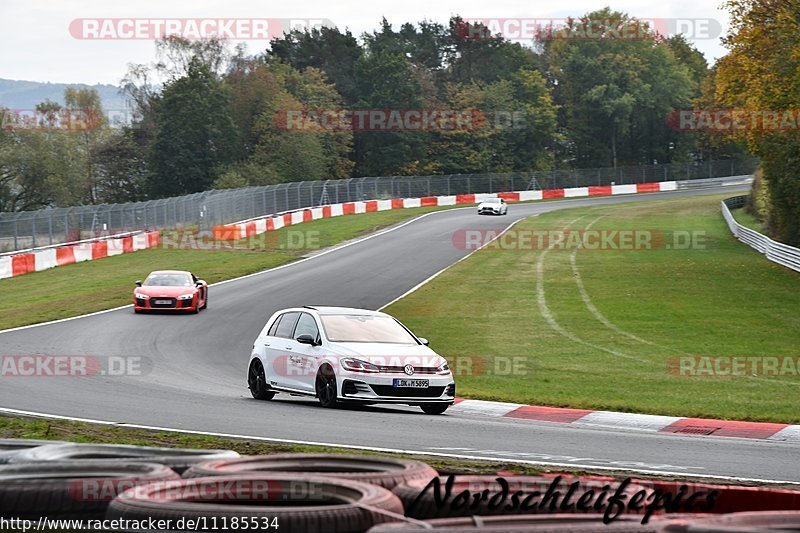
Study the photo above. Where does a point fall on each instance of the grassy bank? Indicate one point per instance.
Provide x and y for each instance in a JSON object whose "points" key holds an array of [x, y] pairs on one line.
{"points": [[520, 317], [96, 285]]}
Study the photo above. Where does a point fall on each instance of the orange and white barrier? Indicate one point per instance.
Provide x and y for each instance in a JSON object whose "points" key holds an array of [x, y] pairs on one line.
{"points": [[248, 228], [37, 260]]}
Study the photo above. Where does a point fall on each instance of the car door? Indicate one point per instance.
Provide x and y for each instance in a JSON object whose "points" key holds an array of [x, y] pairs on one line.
{"points": [[307, 356], [278, 349]]}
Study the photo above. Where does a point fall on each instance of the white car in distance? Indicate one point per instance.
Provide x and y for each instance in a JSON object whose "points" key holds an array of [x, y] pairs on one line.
{"points": [[493, 206], [340, 354]]}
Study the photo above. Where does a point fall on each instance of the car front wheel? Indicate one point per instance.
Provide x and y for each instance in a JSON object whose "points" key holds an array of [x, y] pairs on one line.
{"points": [[434, 408], [325, 385], [257, 382]]}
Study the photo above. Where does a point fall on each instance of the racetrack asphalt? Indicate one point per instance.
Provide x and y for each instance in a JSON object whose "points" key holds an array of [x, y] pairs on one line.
{"points": [[197, 379]]}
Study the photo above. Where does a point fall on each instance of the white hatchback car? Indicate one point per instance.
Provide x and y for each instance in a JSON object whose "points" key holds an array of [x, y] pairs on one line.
{"points": [[340, 354], [493, 206]]}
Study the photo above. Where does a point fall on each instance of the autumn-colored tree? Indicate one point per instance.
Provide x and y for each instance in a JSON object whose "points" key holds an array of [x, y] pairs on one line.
{"points": [[761, 74]]}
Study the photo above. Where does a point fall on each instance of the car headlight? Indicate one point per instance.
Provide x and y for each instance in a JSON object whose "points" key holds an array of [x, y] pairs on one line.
{"points": [[186, 297], [142, 296], [357, 365], [444, 368]]}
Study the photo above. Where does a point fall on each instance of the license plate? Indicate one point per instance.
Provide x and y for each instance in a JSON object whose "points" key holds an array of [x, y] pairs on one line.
{"points": [[411, 383], [162, 302]]}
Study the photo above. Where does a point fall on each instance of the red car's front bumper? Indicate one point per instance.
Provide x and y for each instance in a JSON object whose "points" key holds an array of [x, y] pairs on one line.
{"points": [[140, 304]]}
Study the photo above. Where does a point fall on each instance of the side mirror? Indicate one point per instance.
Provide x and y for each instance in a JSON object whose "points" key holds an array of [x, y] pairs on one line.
{"points": [[307, 339], [423, 340], [199, 282], [138, 283]]}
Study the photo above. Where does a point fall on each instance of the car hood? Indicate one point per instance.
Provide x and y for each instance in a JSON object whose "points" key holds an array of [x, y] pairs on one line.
{"points": [[486, 204], [166, 292], [383, 354]]}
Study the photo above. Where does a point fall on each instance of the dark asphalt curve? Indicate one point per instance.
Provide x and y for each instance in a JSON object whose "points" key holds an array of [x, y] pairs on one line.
{"points": [[198, 366]]}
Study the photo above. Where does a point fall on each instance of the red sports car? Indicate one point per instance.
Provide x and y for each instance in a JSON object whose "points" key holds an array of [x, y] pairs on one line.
{"points": [[170, 290]]}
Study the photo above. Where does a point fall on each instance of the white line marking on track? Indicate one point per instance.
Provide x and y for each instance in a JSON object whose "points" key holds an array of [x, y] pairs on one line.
{"points": [[576, 465], [293, 263], [431, 278]]}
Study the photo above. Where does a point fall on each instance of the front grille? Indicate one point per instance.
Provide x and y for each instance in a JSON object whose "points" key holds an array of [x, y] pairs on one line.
{"points": [[417, 369], [141, 302], [155, 305], [186, 303], [407, 392]]}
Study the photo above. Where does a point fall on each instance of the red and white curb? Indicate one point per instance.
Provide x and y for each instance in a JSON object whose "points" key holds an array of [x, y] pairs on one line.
{"points": [[50, 257], [632, 421], [257, 226], [28, 261]]}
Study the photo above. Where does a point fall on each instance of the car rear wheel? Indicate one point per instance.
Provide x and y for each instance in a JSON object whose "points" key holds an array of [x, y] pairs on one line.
{"points": [[205, 301], [434, 408], [325, 385], [257, 382]]}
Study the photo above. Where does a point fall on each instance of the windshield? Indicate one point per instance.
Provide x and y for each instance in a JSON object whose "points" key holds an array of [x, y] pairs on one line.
{"points": [[168, 280], [361, 328]]}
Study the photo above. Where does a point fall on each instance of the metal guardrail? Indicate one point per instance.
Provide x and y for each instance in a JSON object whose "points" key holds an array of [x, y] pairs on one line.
{"points": [[777, 252], [30, 229]]}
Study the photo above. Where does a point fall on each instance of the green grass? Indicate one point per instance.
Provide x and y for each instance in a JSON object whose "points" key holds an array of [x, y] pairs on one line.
{"points": [[746, 219], [722, 300], [96, 285]]}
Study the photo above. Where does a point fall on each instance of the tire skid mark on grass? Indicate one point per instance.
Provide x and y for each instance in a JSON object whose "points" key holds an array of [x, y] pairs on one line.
{"points": [[587, 300], [541, 300]]}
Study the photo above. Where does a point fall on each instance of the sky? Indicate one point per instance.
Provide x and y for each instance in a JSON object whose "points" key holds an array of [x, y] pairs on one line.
{"points": [[40, 41]]}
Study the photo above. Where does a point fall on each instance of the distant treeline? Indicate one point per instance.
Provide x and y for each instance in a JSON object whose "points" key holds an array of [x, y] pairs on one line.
{"points": [[421, 98]]}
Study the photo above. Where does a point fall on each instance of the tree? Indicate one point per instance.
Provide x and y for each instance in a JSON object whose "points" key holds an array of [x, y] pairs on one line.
{"points": [[88, 132], [333, 52], [761, 74], [120, 164], [196, 133], [615, 92]]}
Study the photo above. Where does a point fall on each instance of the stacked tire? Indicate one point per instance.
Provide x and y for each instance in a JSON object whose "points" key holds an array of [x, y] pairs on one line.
{"points": [[385, 472], [214, 490]]}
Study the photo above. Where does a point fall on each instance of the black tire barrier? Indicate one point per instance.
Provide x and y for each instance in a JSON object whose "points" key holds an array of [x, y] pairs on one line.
{"points": [[179, 459], [294, 503], [384, 471], [556, 523], [11, 447], [73, 489], [461, 496], [740, 522]]}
